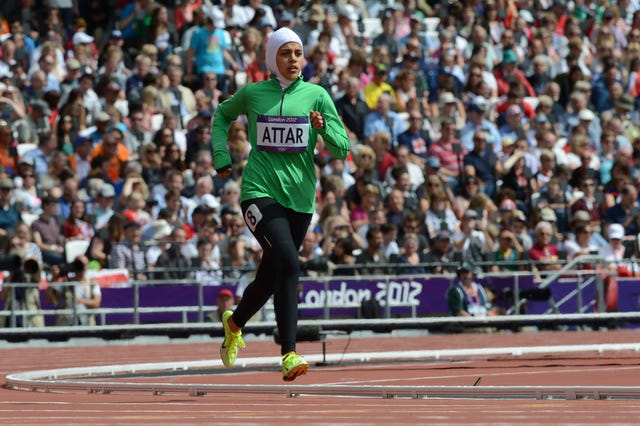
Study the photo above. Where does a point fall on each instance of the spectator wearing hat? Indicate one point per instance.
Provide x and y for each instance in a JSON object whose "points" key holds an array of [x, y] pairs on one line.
{"points": [[112, 97], [440, 256], [477, 120], [615, 252], [128, 254], [101, 208], [466, 297], [508, 71], [378, 86], [451, 107], [225, 301]]}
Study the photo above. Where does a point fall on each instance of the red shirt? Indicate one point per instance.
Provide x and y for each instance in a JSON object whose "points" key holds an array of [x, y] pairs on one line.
{"points": [[549, 252]]}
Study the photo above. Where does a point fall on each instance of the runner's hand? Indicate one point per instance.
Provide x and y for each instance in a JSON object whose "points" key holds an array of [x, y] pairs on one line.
{"points": [[317, 120]]}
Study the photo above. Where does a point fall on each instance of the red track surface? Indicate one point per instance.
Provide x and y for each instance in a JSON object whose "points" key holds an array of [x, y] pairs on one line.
{"points": [[580, 369]]}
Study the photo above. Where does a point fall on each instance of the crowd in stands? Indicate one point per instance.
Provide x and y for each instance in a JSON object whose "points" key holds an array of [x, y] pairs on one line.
{"points": [[481, 131]]}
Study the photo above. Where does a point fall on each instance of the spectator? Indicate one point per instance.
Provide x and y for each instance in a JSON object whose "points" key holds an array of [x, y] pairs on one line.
{"points": [[372, 255], [450, 153], [544, 255], [467, 298], [128, 253], [411, 258], [625, 211], [378, 87], [473, 241], [173, 264], [353, 110], [77, 226], [383, 119], [508, 252], [46, 233], [205, 58], [439, 258], [416, 138], [81, 297]]}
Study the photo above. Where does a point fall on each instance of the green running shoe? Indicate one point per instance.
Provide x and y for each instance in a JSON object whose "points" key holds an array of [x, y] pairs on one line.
{"points": [[293, 365], [232, 341]]}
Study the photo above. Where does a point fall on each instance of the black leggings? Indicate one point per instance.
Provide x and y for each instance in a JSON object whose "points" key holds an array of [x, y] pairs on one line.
{"points": [[280, 232]]}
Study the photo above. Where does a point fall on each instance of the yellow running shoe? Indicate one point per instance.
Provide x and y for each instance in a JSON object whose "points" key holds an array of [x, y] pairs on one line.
{"points": [[293, 365], [232, 341]]}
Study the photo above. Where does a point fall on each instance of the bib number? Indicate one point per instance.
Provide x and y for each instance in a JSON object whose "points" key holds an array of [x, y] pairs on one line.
{"points": [[282, 133], [252, 217]]}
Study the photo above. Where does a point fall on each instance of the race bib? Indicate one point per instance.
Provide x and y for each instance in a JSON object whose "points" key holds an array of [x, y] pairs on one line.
{"points": [[282, 134]]}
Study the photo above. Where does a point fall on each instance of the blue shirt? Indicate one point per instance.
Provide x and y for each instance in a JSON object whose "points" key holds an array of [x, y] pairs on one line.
{"points": [[392, 124], [209, 47], [40, 161]]}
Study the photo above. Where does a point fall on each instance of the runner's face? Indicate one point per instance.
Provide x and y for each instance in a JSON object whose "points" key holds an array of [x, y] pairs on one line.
{"points": [[290, 60]]}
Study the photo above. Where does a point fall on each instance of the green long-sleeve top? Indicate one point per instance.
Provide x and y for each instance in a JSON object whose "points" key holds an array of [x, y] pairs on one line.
{"points": [[280, 164]]}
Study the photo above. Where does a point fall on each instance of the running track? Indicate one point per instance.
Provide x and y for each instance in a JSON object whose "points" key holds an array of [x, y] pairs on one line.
{"points": [[136, 408]]}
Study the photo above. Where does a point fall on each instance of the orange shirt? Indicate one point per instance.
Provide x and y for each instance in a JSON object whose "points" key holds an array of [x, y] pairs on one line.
{"points": [[115, 163]]}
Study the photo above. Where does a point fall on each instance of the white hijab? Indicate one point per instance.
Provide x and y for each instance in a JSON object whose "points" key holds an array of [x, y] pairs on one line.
{"points": [[277, 39]]}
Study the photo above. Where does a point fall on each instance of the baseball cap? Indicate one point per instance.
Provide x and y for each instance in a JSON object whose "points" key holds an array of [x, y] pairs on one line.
{"points": [[107, 191], [470, 214], [433, 162], [465, 266], [626, 101], [443, 235], [6, 183], [73, 64], [586, 115], [132, 224], [202, 209], [116, 34], [81, 38], [547, 214], [581, 216], [509, 57], [317, 13], [161, 229], [102, 117], [225, 292], [381, 68], [448, 98], [616, 231]]}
